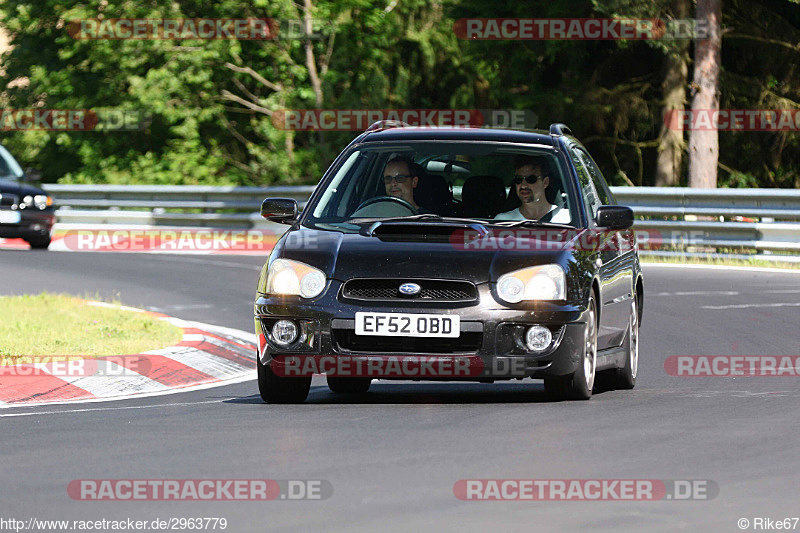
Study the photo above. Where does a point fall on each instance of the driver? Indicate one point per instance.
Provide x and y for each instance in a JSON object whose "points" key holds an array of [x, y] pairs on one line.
{"points": [[400, 179]]}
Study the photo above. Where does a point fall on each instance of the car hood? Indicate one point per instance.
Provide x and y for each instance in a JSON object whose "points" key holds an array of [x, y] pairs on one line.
{"points": [[344, 256], [20, 189]]}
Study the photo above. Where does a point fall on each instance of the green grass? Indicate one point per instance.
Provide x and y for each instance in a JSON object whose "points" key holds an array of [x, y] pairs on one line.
{"points": [[57, 324], [726, 261]]}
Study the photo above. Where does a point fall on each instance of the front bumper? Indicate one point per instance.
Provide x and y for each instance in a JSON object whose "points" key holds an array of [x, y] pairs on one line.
{"points": [[489, 344], [32, 224]]}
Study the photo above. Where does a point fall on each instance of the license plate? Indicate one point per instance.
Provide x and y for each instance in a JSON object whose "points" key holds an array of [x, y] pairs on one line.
{"points": [[9, 217], [407, 325]]}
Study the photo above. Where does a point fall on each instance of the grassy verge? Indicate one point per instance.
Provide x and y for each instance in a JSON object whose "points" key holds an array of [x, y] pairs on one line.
{"points": [[761, 263], [56, 324]]}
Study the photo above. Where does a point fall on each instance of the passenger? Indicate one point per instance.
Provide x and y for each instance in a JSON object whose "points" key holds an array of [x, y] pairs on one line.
{"points": [[531, 180]]}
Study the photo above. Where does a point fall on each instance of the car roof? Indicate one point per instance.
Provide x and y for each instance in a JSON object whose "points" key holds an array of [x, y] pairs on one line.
{"points": [[458, 134]]}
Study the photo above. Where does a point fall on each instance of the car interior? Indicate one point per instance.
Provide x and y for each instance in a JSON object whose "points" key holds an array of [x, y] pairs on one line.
{"points": [[450, 184]]}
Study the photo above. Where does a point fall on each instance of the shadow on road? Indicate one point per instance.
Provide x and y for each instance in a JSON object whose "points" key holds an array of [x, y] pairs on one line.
{"points": [[426, 393]]}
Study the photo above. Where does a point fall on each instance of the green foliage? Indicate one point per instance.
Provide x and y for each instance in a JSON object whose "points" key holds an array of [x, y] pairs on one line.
{"points": [[206, 117]]}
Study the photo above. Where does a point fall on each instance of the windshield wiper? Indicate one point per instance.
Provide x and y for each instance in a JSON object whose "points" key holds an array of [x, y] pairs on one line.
{"points": [[477, 225], [528, 222], [422, 216]]}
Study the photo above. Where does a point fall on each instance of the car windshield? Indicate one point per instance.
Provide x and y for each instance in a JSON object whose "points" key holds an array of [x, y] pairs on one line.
{"points": [[9, 168], [487, 182]]}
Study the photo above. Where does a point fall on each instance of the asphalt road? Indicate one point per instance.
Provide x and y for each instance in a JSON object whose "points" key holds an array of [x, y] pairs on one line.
{"points": [[394, 454]]}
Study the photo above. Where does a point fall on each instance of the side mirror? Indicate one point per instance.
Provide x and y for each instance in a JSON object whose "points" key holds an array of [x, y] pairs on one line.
{"points": [[281, 210], [614, 217]]}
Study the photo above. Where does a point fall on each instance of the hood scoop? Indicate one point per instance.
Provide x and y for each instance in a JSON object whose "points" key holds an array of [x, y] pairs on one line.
{"points": [[419, 231]]}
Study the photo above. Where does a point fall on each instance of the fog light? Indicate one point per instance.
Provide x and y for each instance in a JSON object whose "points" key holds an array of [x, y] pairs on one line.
{"points": [[284, 332], [538, 338]]}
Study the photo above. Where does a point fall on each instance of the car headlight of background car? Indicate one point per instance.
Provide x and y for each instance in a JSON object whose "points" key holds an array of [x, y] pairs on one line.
{"points": [[293, 278], [41, 201], [545, 282]]}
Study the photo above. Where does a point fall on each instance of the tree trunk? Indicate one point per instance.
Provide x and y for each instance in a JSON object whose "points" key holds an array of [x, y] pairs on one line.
{"points": [[671, 141], [704, 144], [311, 64]]}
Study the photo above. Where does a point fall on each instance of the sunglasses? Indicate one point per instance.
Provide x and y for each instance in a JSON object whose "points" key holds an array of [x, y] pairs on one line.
{"points": [[399, 179], [530, 178]]}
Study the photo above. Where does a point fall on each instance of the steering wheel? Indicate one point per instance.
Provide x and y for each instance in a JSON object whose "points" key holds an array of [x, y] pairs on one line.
{"points": [[379, 199]]}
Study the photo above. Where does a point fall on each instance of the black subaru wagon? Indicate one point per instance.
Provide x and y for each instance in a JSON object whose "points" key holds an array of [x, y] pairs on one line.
{"points": [[452, 254]]}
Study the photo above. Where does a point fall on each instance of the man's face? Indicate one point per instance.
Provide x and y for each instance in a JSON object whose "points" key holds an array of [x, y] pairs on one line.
{"points": [[404, 190], [531, 192]]}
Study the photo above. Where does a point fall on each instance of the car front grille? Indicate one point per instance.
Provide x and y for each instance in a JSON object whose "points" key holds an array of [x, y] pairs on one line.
{"points": [[346, 340], [432, 290], [7, 200]]}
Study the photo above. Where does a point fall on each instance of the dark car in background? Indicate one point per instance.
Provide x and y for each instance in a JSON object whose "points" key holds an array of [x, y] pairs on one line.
{"points": [[375, 277], [26, 212]]}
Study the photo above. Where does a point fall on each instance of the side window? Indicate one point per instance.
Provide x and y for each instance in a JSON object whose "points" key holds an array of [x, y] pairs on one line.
{"points": [[590, 195], [597, 178]]}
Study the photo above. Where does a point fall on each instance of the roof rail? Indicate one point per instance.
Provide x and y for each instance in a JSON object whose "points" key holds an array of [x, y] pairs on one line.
{"points": [[386, 124], [560, 129]]}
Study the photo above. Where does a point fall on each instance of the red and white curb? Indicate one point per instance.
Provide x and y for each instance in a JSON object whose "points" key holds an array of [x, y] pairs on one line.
{"points": [[208, 356], [148, 239]]}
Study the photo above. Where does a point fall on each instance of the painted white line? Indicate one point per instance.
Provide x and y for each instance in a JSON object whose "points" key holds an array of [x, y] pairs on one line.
{"points": [[240, 379], [696, 293], [178, 258], [784, 291], [749, 306], [37, 413], [725, 267]]}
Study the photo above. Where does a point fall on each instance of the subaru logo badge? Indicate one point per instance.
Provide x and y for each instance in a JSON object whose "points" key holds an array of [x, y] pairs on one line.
{"points": [[409, 289]]}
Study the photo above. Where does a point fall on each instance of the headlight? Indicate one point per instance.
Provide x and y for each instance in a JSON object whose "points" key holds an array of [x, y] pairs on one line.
{"points": [[42, 201], [546, 282], [286, 277]]}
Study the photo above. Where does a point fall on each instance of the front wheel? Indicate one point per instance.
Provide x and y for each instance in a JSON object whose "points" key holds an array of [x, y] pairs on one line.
{"points": [[277, 389], [625, 377], [39, 243], [578, 385]]}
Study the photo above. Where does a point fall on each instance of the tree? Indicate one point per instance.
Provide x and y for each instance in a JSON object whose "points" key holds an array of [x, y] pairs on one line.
{"points": [[704, 143]]}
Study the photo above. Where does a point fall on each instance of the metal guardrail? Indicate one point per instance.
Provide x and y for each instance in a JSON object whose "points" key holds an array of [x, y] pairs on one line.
{"points": [[681, 219]]}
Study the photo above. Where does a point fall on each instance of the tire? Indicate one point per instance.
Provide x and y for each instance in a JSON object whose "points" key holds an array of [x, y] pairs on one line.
{"points": [[625, 377], [39, 243], [579, 384], [349, 385], [277, 389]]}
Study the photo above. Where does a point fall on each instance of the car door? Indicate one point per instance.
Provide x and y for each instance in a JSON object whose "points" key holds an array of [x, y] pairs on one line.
{"points": [[615, 266]]}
